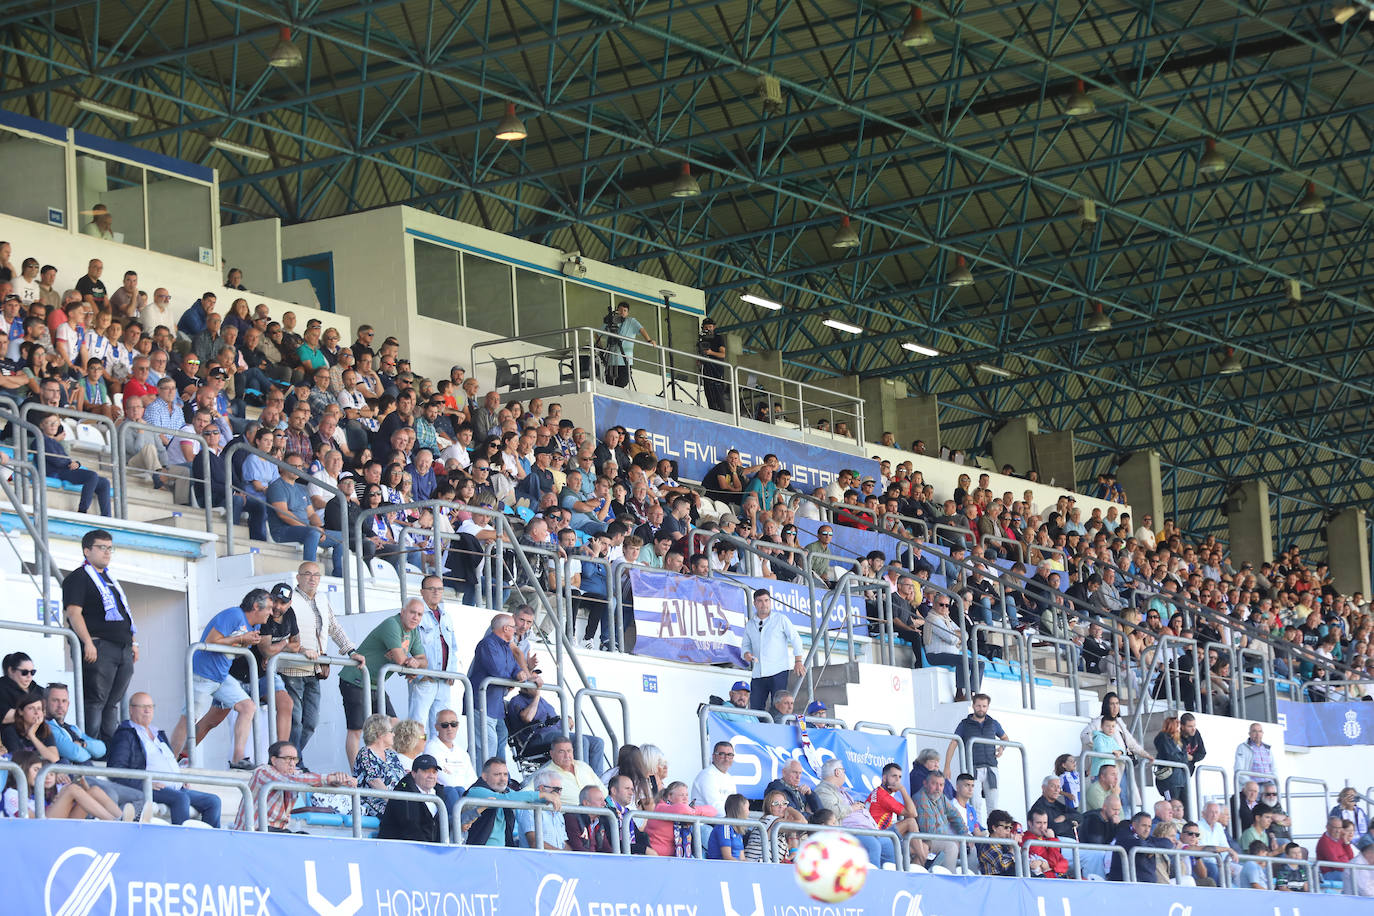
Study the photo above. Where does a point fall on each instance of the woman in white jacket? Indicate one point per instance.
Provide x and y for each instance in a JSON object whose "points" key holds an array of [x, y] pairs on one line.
{"points": [[1111, 705]]}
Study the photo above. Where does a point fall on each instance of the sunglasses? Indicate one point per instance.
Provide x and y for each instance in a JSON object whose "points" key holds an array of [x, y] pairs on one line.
{"points": [[27, 672], [447, 724]]}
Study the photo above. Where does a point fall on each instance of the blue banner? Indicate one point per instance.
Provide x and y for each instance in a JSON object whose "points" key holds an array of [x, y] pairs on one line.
{"points": [[793, 601], [80, 869], [1342, 724], [761, 751], [696, 445], [688, 618], [849, 542]]}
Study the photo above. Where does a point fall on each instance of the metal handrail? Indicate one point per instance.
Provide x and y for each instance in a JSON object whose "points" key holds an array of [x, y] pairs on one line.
{"points": [[21, 784], [120, 498], [456, 677], [877, 727], [697, 821], [1121, 763], [1198, 770], [585, 692], [1191, 798], [964, 760], [481, 708], [1288, 795], [1020, 748], [966, 842], [1153, 660], [1302, 691], [901, 851], [301, 473], [148, 777], [1027, 674], [1128, 865], [202, 458], [1073, 652], [360, 564], [342, 661], [37, 530], [357, 793], [74, 643], [1179, 855], [23, 428], [707, 709], [192, 748], [469, 802], [1347, 871]]}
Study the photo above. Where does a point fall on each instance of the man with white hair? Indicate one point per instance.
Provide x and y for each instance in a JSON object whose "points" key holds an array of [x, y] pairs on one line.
{"points": [[494, 658]]}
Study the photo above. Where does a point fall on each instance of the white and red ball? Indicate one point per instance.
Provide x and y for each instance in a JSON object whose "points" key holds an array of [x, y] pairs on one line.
{"points": [[831, 866]]}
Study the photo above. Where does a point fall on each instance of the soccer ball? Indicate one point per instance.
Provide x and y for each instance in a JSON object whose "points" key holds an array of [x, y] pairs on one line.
{"points": [[831, 866]]}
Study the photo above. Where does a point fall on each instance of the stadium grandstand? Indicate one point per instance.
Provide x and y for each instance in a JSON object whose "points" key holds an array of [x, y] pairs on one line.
{"points": [[445, 435]]}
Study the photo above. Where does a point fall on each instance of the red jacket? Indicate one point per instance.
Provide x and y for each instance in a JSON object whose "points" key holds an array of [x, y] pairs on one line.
{"points": [[1329, 850], [1059, 866]]}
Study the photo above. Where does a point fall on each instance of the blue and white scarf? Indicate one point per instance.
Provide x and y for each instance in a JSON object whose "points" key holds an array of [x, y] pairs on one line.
{"points": [[107, 596]]}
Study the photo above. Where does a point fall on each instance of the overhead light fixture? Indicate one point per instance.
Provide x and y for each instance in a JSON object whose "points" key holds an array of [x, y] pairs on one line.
{"points": [[512, 128], [1080, 103], [990, 369], [1230, 363], [1212, 162], [960, 275], [1087, 213], [1311, 204], [686, 185], [770, 95], [109, 111], [842, 326], [1099, 321], [240, 149], [761, 302], [1344, 13], [917, 34], [1294, 291], [846, 237], [285, 55], [917, 348]]}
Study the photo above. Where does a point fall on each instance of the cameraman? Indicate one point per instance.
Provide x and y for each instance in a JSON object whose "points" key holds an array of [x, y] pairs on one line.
{"points": [[712, 345], [620, 353]]}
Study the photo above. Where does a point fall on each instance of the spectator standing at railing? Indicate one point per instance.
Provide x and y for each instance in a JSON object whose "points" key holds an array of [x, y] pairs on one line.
{"points": [[395, 641], [1253, 756], [429, 695], [493, 658], [99, 613], [772, 648]]}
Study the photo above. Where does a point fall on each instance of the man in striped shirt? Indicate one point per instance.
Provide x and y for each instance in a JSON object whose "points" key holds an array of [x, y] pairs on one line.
{"points": [[281, 767]]}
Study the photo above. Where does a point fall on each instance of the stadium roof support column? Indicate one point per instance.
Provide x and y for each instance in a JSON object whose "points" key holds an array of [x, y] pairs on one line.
{"points": [[1012, 445], [1347, 550], [1140, 476], [1052, 454], [918, 417], [1247, 519], [880, 397]]}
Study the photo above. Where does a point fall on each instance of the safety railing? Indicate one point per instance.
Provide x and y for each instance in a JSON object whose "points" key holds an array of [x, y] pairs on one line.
{"points": [[36, 491], [1348, 872], [172, 468], [148, 777], [305, 479], [1073, 852], [1179, 859], [35, 524], [968, 858], [19, 781], [1265, 862], [1247, 679], [1201, 769], [119, 498], [954, 740], [1305, 693], [616, 740], [876, 727], [476, 803], [481, 708], [843, 590], [575, 599], [364, 515], [73, 645], [1147, 767], [1160, 667], [1313, 817], [357, 793], [192, 746], [1008, 546], [453, 677], [1066, 660], [706, 710], [295, 657], [1025, 668], [571, 346], [1020, 749], [696, 821], [900, 851]]}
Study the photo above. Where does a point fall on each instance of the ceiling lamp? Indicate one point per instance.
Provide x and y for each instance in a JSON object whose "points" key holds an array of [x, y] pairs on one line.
{"points": [[990, 369], [1344, 13], [761, 302], [285, 55], [1212, 162], [686, 185], [1230, 364], [512, 128], [917, 348], [109, 111], [917, 34], [1080, 103], [1311, 204], [960, 275], [1099, 321], [842, 326], [240, 149], [846, 237]]}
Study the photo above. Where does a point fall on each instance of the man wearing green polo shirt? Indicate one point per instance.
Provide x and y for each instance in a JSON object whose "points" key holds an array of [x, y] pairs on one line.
{"points": [[395, 641]]}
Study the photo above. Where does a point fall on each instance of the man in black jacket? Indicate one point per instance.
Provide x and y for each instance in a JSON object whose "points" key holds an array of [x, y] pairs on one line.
{"points": [[799, 795], [415, 820]]}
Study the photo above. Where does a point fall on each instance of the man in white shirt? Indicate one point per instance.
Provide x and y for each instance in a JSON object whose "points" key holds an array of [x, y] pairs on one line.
{"points": [[455, 768], [773, 649], [157, 312], [714, 784], [318, 626], [1145, 534], [26, 284], [459, 452]]}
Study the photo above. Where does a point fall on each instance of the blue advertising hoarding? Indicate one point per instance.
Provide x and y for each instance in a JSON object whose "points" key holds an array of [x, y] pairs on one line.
{"points": [[1345, 724]]}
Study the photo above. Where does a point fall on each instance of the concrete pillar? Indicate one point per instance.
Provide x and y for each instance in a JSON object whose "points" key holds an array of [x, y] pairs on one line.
{"points": [[918, 417], [1247, 519], [1347, 549], [1011, 444], [1140, 476], [880, 397], [1053, 456]]}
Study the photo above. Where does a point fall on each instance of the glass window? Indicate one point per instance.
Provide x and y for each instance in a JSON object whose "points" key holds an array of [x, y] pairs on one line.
{"points": [[539, 298], [109, 198], [488, 296], [682, 335], [180, 220], [587, 305], [436, 282], [33, 183]]}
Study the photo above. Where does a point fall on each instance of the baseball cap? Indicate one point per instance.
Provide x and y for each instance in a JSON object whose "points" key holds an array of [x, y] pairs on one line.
{"points": [[547, 450], [815, 707], [739, 685], [424, 762], [708, 320], [218, 372], [281, 592]]}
